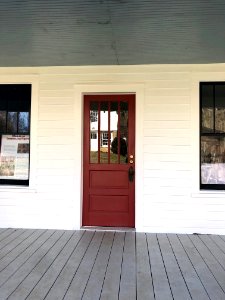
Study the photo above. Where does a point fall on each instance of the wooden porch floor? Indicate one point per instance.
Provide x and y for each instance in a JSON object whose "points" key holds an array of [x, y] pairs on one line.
{"points": [[49, 264]]}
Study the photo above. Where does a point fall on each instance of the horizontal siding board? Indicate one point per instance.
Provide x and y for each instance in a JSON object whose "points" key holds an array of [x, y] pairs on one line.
{"points": [[57, 93], [56, 124], [59, 108], [166, 100], [168, 92], [165, 132], [56, 101], [56, 116], [185, 149], [171, 124], [184, 115]]}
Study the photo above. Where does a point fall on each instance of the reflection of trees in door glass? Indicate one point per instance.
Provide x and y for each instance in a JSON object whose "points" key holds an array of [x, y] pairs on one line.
{"points": [[123, 131]]}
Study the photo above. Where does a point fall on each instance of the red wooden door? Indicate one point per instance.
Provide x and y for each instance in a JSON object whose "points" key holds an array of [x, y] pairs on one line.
{"points": [[109, 160]]}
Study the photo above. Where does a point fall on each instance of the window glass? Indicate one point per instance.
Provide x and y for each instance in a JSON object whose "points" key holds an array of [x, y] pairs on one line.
{"points": [[15, 101], [12, 122], [207, 103], [220, 108], [2, 121], [212, 136], [23, 122], [104, 127], [93, 134]]}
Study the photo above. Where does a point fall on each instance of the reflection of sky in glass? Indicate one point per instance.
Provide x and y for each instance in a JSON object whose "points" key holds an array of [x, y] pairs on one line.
{"points": [[23, 125]]}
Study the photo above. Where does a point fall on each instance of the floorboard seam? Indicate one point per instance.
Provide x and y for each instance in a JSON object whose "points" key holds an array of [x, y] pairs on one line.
{"points": [[17, 245], [179, 266], [78, 266], [207, 265], [107, 265], [25, 261], [50, 265], [194, 268], [121, 264], [164, 266], [63, 266], [36, 264], [149, 259]]}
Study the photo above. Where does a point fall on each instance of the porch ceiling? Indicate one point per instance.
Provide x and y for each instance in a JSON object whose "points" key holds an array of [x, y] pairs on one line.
{"points": [[111, 32]]}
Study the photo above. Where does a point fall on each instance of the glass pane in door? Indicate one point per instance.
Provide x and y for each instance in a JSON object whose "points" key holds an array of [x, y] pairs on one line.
{"points": [[123, 132], [114, 132], [94, 132]]}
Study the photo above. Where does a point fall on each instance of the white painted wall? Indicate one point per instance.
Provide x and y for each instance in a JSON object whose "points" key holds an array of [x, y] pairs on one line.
{"points": [[168, 198]]}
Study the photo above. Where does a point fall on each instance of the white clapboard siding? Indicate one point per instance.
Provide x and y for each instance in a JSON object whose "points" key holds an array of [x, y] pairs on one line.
{"points": [[167, 152]]}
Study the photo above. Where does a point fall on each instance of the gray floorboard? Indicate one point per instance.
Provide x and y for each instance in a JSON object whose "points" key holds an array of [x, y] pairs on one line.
{"points": [[110, 265], [128, 272], [145, 289], [59, 289], [161, 284], [46, 282], [211, 285], [81, 276], [194, 284], [111, 283], [177, 283], [94, 286]]}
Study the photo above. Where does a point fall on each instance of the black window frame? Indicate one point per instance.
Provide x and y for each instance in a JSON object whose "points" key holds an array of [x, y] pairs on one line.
{"points": [[206, 186], [19, 96]]}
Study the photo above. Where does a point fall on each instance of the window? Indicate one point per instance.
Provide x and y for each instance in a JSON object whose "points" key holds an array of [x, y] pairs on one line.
{"points": [[212, 135], [93, 135], [94, 116], [104, 139], [15, 102]]}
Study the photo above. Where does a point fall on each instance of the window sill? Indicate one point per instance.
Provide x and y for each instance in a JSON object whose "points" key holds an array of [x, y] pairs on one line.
{"points": [[17, 189], [209, 194]]}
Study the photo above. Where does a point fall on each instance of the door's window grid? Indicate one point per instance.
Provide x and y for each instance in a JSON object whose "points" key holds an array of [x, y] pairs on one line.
{"points": [[108, 132]]}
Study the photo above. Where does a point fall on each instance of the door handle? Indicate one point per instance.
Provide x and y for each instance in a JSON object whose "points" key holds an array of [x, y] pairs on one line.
{"points": [[131, 174]]}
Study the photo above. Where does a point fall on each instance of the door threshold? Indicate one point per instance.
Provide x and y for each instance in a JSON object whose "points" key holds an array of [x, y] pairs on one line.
{"points": [[102, 228]]}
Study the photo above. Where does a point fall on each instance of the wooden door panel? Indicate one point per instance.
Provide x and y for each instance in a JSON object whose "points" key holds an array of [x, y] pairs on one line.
{"points": [[109, 152], [110, 203], [109, 179]]}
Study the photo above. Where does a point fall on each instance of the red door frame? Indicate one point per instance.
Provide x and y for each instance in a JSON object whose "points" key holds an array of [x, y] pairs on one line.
{"points": [[120, 219]]}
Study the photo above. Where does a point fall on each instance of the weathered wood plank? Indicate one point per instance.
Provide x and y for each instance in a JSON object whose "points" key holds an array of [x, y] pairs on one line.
{"points": [[211, 262], [15, 243], [42, 288], [193, 282], [144, 276], [58, 290], [7, 233], [112, 277], [81, 275], [48, 264], [17, 277], [160, 281], [32, 278], [2, 230], [218, 247], [176, 280], [128, 272], [95, 282], [10, 237], [21, 253], [211, 285]]}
